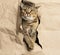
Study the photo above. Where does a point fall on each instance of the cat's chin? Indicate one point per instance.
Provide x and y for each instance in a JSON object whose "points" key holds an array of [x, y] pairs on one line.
{"points": [[30, 18]]}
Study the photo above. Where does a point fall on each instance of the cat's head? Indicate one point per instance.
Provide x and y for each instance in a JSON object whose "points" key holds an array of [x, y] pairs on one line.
{"points": [[28, 10]]}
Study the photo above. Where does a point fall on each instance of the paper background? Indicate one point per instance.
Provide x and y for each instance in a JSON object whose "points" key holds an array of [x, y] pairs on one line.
{"points": [[49, 29]]}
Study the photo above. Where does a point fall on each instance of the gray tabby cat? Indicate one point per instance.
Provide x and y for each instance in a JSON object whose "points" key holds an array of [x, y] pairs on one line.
{"points": [[30, 22]]}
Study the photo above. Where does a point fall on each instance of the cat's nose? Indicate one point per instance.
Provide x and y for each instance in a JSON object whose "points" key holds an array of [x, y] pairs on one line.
{"points": [[28, 14]]}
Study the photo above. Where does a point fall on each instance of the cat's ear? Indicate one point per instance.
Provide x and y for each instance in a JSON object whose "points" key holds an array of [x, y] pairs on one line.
{"points": [[23, 1], [37, 7], [21, 5]]}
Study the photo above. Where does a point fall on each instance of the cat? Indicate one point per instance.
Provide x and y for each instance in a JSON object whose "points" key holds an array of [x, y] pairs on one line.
{"points": [[30, 21]]}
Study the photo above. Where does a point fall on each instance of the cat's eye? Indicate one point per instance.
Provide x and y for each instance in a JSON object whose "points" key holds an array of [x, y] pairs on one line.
{"points": [[22, 10], [32, 12]]}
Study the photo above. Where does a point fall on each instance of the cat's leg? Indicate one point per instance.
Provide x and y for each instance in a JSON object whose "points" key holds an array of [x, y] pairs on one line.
{"points": [[34, 36], [34, 33], [28, 41]]}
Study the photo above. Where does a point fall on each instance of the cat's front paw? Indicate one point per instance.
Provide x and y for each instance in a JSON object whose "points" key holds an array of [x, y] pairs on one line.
{"points": [[31, 46]]}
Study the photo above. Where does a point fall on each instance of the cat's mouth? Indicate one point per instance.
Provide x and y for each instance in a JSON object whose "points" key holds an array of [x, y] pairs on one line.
{"points": [[29, 18]]}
